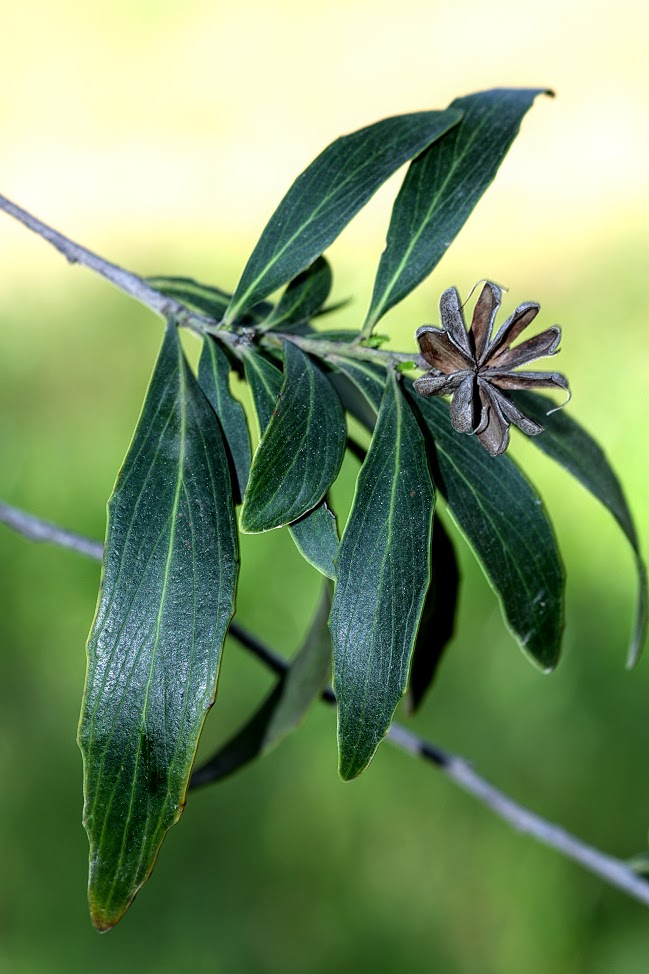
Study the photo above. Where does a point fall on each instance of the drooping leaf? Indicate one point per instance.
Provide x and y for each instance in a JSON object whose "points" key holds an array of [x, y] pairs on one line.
{"points": [[203, 298], [437, 619], [304, 296], [502, 518], [441, 188], [565, 441], [383, 574], [167, 596], [301, 448], [285, 707], [213, 378], [315, 535], [327, 195]]}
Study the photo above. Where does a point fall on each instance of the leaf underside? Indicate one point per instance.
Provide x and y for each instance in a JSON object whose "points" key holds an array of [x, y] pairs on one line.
{"points": [[382, 578], [167, 596]]}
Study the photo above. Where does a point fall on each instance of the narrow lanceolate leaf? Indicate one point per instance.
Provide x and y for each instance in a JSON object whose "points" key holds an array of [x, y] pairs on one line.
{"points": [[286, 706], [441, 188], [437, 619], [213, 378], [383, 576], [327, 195], [301, 449], [570, 445], [203, 298], [304, 296], [503, 520], [315, 535], [167, 596]]}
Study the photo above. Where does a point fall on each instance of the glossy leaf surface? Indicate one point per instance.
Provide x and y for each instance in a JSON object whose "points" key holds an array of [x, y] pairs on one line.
{"points": [[301, 448], [167, 596], [502, 518], [383, 575], [285, 707], [327, 195], [315, 535], [565, 441], [213, 378], [437, 619], [304, 296], [441, 188]]}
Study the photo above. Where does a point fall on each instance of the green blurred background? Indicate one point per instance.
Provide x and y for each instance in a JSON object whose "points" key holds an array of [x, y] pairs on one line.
{"points": [[162, 135]]}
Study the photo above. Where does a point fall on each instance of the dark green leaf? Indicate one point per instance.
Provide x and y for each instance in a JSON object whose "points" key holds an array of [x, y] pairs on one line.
{"points": [[265, 382], [304, 296], [441, 188], [570, 445], [213, 378], [284, 709], [203, 298], [167, 596], [353, 400], [327, 195], [383, 575], [437, 619], [503, 520], [369, 380], [315, 534], [501, 516], [301, 448], [316, 538]]}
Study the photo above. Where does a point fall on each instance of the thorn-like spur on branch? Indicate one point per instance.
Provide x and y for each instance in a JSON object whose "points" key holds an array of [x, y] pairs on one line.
{"points": [[613, 871]]}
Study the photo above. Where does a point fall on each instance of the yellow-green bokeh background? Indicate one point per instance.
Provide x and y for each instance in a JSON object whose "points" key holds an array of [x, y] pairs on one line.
{"points": [[162, 135]]}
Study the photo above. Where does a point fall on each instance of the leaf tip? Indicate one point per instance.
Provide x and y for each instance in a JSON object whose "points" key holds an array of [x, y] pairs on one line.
{"points": [[104, 920], [347, 771], [635, 651]]}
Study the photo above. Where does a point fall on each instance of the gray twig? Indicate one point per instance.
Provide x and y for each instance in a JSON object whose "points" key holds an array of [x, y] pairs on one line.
{"points": [[611, 870], [167, 307], [76, 254]]}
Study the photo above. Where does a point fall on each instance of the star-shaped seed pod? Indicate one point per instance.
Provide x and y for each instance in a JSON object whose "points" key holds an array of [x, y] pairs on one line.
{"points": [[475, 368]]}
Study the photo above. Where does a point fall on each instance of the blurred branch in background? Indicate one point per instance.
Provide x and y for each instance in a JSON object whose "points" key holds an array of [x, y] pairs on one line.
{"points": [[613, 871]]}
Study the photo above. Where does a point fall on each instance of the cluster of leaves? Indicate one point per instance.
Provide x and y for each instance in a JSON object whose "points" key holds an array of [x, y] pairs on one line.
{"points": [[390, 581]]}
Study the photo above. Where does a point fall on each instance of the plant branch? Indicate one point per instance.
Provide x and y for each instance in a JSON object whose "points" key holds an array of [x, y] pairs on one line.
{"points": [[136, 287], [613, 871], [131, 284]]}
